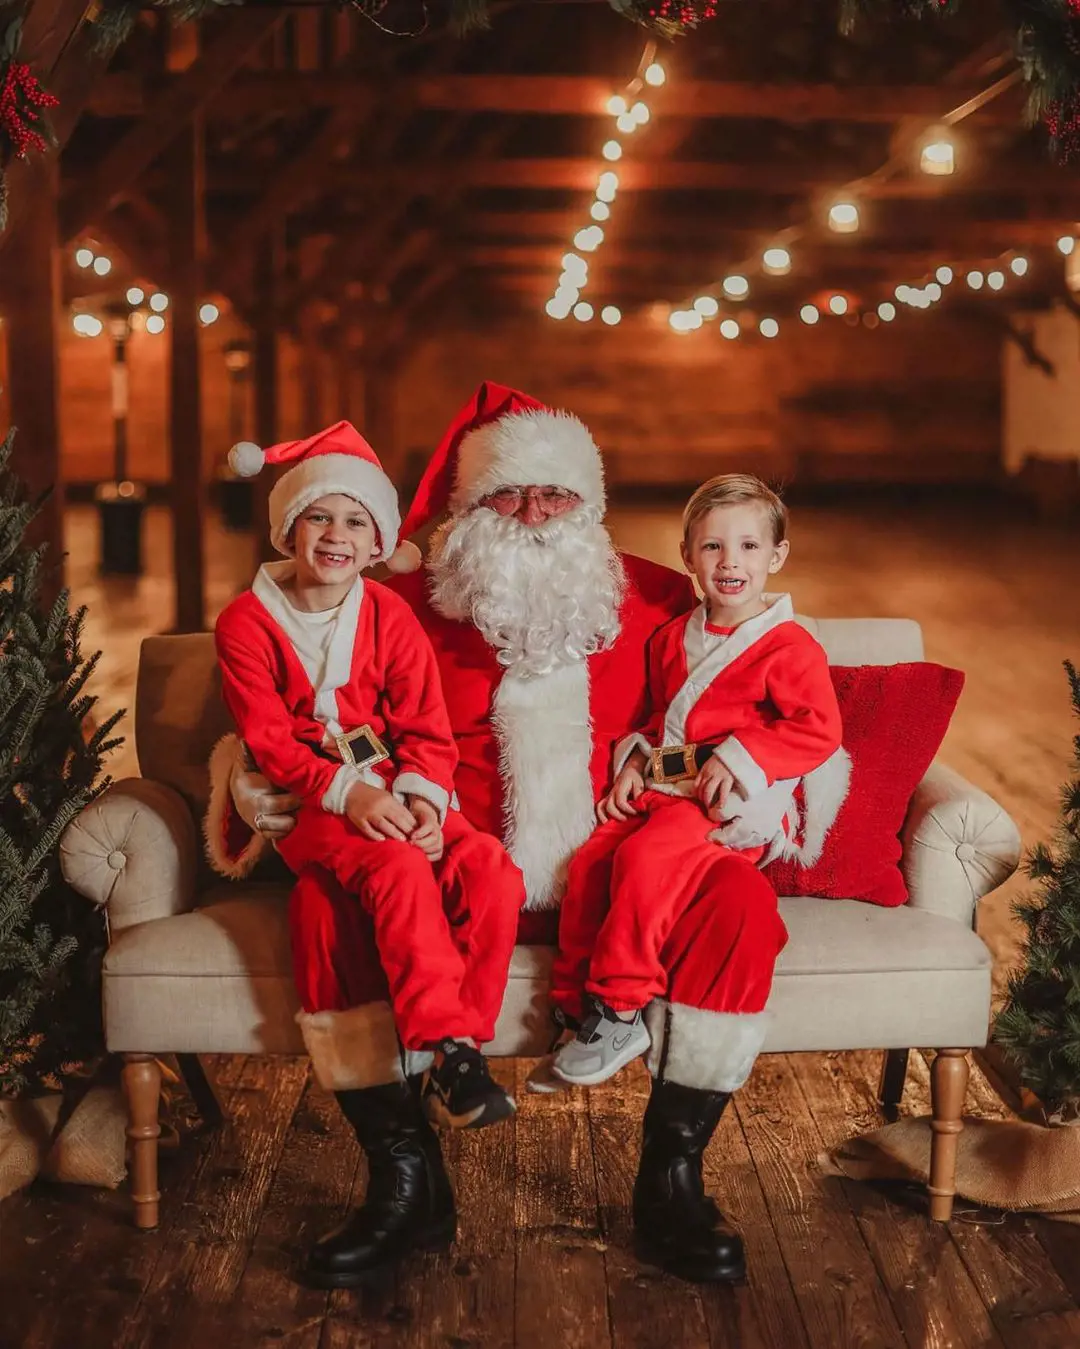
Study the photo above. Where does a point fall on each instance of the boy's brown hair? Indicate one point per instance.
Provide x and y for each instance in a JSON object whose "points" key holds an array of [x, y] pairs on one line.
{"points": [[730, 489]]}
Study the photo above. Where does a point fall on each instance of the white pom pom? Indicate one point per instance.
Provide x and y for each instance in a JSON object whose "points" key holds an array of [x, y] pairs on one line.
{"points": [[246, 459], [406, 557]]}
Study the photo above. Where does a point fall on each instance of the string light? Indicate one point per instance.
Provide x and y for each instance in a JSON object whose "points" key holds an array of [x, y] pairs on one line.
{"points": [[611, 315], [84, 257], [975, 280], [938, 157], [776, 261], [159, 302], [768, 327], [87, 325], [729, 329], [843, 217], [996, 280], [1019, 266], [155, 324], [135, 295], [736, 287], [209, 313], [944, 275], [838, 304], [707, 306], [886, 311], [630, 112], [102, 266], [1066, 244], [809, 314]]}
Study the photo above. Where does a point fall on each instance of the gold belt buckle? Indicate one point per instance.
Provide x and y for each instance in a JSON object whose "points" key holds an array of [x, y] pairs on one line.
{"points": [[674, 763], [371, 748]]}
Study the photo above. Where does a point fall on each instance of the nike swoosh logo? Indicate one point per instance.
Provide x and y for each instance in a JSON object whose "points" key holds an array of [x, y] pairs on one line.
{"points": [[619, 1042]]}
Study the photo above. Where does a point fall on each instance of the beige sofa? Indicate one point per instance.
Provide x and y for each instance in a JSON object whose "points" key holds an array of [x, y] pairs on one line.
{"points": [[198, 966]]}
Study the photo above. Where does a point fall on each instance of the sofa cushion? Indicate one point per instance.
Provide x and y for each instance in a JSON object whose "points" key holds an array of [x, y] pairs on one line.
{"points": [[894, 717], [852, 976]]}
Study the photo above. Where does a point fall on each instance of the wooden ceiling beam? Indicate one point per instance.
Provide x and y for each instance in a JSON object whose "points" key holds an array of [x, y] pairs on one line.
{"points": [[125, 95], [166, 114], [432, 176]]}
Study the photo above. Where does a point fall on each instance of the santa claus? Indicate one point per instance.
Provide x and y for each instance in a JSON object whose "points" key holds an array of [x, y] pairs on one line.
{"points": [[539, 627]]}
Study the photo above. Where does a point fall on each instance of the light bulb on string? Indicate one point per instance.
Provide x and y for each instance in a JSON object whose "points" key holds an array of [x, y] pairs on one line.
{"points": [[626, 123], [135, 295], [209, 313], [838, 304], [616, 105], [155, 324], [776, 261], [730, 329], [655, 75], [102, 266], [640, 113], [707, 306], [159, 302], [768, 327], [606, 187], [975, 280], [583, 311], [843, 217], [809, 314], [944, 275], [1066, 244], [938, 157], [1019, 266], [934, 291], [611, 315], [600, 210], [87, 325], [555, 309], [612, 151], [886, 311], [736, 287], [575, 267], [84, 257], [996, 280], [589, 239]]}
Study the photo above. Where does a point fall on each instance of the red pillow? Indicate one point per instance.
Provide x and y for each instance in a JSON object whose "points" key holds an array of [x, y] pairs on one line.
{"points": [[894, 717]]}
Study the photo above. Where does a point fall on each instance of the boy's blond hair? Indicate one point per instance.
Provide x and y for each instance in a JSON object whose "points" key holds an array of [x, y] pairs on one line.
{"points": [[730, 489]]}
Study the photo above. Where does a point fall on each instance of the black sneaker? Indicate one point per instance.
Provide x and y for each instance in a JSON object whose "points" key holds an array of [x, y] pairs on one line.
{"points": [[459, 1093]]}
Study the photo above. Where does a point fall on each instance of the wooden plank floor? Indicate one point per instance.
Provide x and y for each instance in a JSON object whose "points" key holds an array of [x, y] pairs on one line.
{"points": [[544, 1256]]}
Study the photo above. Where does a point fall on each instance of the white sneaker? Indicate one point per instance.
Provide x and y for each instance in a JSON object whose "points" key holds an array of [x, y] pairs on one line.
{"points": [[605, 1043]]}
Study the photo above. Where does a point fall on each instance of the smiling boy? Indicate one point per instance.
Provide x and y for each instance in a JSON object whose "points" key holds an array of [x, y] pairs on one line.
{"points": [[743, 708]]}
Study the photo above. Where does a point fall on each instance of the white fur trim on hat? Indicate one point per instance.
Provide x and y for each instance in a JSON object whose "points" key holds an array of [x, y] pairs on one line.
{"points": [[528, 449], [323, 475]]}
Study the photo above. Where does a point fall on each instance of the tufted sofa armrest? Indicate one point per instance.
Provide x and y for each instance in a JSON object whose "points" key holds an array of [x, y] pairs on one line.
{"points": [[136, 851], [959, 844]]}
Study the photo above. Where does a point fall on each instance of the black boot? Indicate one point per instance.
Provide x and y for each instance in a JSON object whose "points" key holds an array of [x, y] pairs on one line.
{"points": [[409, 1205], [677, 1225]]}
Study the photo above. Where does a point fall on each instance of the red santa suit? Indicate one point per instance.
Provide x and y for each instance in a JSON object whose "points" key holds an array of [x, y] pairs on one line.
{"points": [[762, 697]]}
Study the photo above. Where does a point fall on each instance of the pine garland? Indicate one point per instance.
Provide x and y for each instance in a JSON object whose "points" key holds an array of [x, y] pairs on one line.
{"points": [[51, 939], [1039, 1026]]}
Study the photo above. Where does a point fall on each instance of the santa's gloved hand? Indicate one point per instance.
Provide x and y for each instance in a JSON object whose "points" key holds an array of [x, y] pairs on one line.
{"points": [[259, 804]]}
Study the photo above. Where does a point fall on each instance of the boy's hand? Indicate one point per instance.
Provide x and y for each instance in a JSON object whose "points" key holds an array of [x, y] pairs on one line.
{"points": [[712, 786], [427, 836], [629, 785], [378, 814]]}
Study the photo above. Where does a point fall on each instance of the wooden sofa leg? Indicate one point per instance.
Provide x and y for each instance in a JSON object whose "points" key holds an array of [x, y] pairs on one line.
{"points": [[142, 1088], [948, 1087], [893, 1077]]}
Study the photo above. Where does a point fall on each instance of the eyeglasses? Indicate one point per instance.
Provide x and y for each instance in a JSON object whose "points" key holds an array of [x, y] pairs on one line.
{"points": [[509, 500]]}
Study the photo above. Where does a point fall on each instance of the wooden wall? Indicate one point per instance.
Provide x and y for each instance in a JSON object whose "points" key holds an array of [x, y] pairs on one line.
{"points": [[917, 401]]}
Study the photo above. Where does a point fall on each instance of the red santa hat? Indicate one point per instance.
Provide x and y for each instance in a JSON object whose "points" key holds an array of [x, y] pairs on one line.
{"points": [[337, 460], [502, 438]]}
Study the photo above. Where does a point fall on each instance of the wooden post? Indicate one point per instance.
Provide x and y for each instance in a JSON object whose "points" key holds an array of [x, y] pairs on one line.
{"points": [[187, 247], [310, 372], [30, 296], [267, 378], [380, 420]]}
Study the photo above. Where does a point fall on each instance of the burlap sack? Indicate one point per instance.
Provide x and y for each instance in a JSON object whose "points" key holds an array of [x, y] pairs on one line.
{"points": [[1003, 1164], [88, 1151]]}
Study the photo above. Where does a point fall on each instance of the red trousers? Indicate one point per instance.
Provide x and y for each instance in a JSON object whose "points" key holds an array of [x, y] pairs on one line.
{"points": [[653, 909], [443, 932]]}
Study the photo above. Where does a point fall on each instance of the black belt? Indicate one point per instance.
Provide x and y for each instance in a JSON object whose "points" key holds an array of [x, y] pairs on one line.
{"points": [[676, 763]]}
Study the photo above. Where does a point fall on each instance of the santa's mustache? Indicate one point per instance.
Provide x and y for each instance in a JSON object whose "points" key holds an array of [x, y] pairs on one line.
{"points": [[542, 595]]}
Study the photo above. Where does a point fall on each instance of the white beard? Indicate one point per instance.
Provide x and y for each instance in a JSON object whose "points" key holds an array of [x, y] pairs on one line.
{"points": [[543, 596]]}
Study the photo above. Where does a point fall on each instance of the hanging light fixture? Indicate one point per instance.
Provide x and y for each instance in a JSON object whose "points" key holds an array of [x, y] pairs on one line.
{"points": [[843, 217]]}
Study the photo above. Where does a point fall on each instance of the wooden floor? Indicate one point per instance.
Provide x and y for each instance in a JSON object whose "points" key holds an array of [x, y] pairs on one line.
{"points": [[544, 1258]]}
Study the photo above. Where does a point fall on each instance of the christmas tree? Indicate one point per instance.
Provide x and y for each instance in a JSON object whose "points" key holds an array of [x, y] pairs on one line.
{"points": [[1039, 1027], [51, 939]]}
